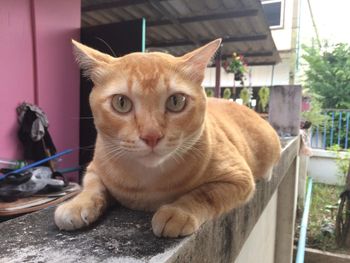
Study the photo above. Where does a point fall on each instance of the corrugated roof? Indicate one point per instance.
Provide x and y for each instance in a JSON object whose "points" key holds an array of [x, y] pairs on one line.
{"points": [[178, 26]]}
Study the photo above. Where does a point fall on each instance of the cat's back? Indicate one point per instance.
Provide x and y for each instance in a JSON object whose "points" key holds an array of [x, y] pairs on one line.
{"points": [[250, 134], [231, 115]]}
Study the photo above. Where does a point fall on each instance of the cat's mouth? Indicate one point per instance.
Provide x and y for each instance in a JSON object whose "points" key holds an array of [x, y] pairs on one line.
{"points": [[152, 159]]}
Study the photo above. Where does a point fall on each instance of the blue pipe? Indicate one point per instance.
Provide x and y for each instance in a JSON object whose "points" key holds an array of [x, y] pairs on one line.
{"points": [[303, 226], [37, 163]]}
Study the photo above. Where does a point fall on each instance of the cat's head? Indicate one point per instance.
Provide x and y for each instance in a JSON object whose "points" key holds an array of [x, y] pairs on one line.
{"points": [[149, 107]]}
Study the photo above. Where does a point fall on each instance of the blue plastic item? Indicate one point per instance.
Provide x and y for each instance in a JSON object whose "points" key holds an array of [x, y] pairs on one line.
{"points": [[303, 226], [37, 163]]}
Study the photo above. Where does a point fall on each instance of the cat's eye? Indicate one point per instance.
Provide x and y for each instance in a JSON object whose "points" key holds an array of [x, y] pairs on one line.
{"points": [[176, 103], [121, 103]]}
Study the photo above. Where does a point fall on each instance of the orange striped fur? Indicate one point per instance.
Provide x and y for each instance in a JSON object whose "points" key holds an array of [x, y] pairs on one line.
{"points": [[206, 157]]}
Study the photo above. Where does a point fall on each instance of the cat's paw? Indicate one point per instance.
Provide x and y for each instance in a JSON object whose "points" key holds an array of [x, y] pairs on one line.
{"points": [[170, 221], [267, 177], [74, 215]]}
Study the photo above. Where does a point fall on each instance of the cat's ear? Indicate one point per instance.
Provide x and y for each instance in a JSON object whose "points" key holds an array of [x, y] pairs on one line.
{"points": [[193, 64], [92, 62]]}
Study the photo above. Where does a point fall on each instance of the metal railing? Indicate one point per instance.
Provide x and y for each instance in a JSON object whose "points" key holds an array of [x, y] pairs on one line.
{"points": [[333, 131]]}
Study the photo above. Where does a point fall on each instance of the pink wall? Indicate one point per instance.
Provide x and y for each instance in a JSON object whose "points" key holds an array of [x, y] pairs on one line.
{"points": [[16, 70], [39, 67], [58, 75]]}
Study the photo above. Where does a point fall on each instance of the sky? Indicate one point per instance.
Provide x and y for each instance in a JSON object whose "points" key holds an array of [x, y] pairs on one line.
{"points": [[332, 18]]}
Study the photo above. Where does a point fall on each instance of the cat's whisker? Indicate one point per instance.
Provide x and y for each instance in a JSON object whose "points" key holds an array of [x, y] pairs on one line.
{"points": [[116, 155], [198, 154], [108, 156], [111, 153], [119, 155], [85, 118], [81, 117], [179, 154], [190, 146], [111, 140], [88, 147], [174, 157]]}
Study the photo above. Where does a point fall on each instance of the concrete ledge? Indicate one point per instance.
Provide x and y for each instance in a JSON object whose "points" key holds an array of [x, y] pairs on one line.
{"points": [[318, 256], [323, 167], [328, 154], [126, 236]]}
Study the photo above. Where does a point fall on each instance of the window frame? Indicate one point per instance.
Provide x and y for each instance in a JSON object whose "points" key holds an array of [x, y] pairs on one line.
{"points": [[281, 25]]}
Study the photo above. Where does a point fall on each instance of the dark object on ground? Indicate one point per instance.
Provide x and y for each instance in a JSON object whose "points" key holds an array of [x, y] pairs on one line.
{"points": [[342, 229], [305, 125], [33, 132]]}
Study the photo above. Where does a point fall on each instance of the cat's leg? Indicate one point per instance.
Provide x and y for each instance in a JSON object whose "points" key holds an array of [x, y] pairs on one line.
{"points": [[86, 207], [189, 212]]}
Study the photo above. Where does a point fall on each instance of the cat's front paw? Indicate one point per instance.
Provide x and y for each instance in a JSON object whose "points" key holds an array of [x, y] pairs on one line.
{"points": [[170, 221], [74, 215]]}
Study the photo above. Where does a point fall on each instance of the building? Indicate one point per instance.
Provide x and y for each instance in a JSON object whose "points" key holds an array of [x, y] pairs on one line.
{"points": [[283, 19]]}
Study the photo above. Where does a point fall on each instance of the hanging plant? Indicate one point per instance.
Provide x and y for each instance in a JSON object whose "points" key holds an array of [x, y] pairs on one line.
{"points": [[227, 93], [264, 95], [245, 96], [236, 66]]}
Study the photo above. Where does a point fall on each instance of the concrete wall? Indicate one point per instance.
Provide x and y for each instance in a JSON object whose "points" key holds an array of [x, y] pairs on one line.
{"points": [[37, 66], [322, 167], [262, 237], [318, 256]]}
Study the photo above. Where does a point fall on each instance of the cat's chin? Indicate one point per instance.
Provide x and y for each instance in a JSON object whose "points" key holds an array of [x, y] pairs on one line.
{"points": [[151, 160]]}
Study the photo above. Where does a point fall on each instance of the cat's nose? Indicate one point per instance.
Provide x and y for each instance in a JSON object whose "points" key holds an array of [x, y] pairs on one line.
{"points": [[151, 139]]}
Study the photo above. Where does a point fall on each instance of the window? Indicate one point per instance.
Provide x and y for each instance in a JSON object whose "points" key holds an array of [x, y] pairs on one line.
{"points": [[274, 12]]}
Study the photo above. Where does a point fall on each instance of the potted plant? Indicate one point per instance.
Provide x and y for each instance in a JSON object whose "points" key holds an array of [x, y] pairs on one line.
{"points": [[264, 95], [237, 66], [227, 93], [209, 92], [245, 96]]}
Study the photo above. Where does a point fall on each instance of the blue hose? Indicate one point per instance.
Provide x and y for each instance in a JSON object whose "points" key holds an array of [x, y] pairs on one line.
{"points": [[303, 226], [37, 163]]}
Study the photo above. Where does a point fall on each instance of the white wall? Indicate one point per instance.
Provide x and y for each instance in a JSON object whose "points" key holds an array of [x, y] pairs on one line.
{"points": [[283, 36], [323, 168]]}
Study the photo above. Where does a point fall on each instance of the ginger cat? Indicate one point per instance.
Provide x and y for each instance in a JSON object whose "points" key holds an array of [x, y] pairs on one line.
{"points": [[163, 146]]}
